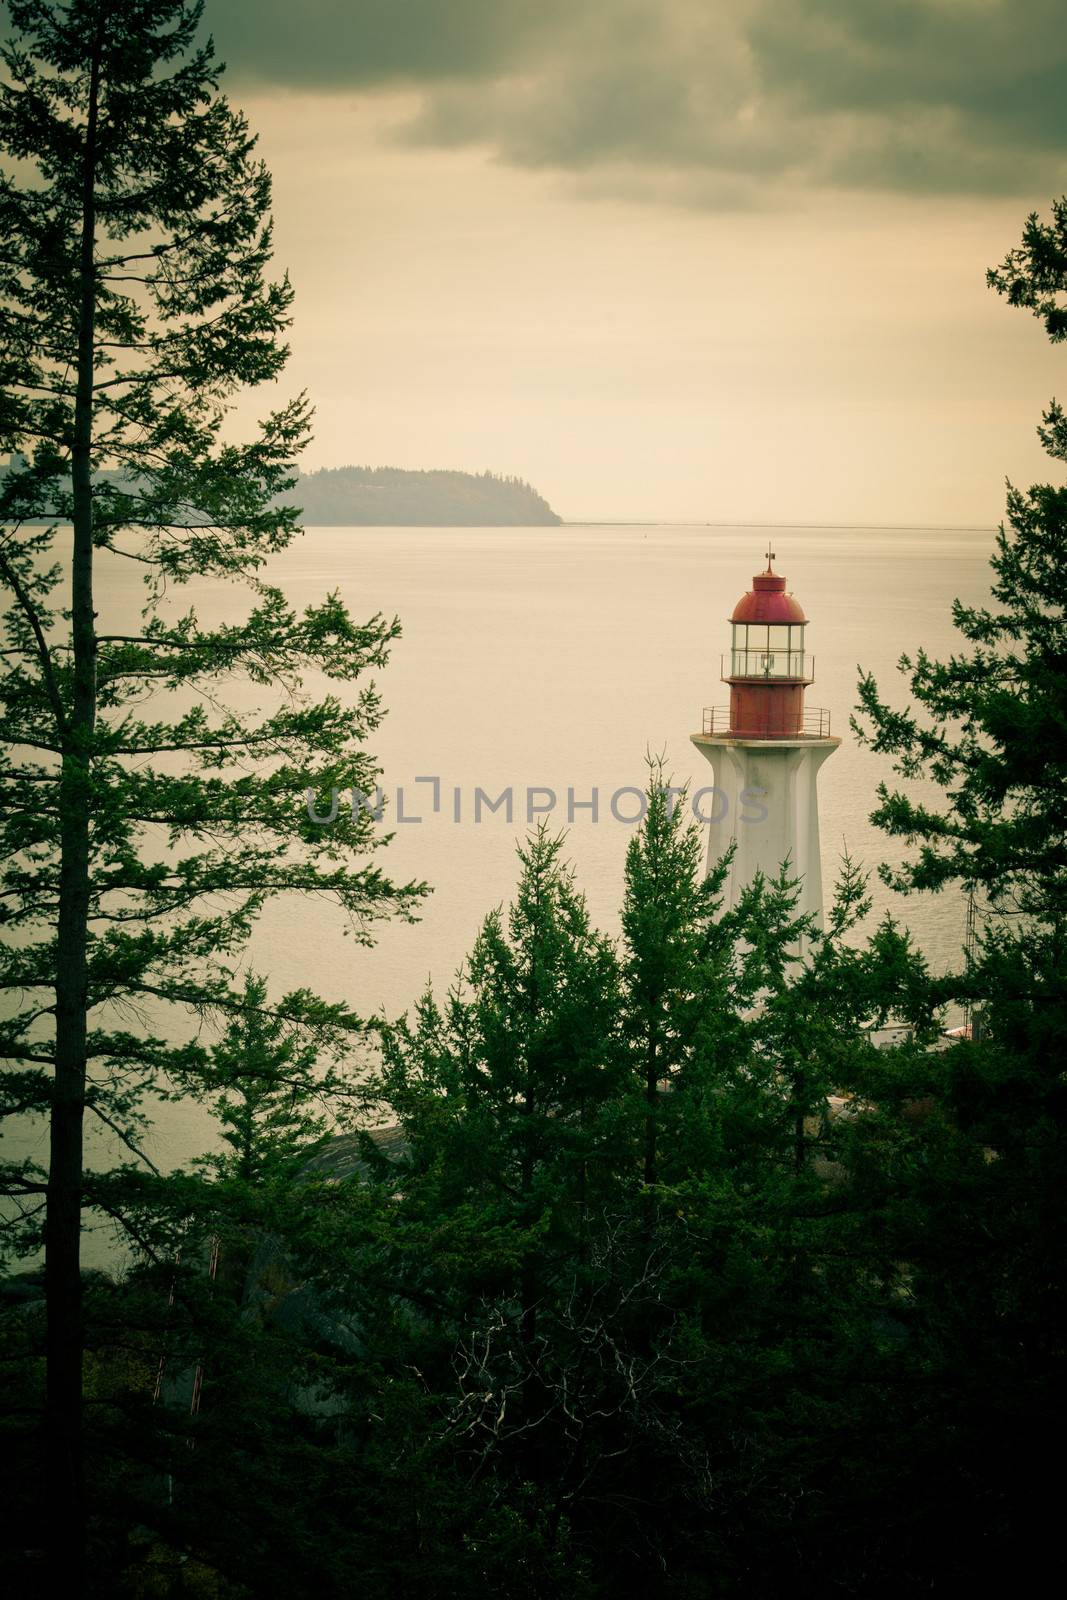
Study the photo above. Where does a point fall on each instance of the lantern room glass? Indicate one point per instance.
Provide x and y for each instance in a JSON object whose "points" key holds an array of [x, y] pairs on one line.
{"points": [[767, 650]]}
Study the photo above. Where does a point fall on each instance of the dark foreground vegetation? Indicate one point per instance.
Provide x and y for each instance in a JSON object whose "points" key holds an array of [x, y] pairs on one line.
{"points": [[624, 1267]]}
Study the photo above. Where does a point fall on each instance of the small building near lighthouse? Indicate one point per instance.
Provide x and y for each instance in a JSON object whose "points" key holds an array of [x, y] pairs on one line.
{"points": [[767, 746]]}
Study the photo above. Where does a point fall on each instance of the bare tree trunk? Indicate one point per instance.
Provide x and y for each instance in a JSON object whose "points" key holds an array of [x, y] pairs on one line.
{"points": [[64, 1202]]}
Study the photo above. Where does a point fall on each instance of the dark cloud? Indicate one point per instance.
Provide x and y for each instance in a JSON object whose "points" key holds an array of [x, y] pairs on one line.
{"points": [[698, 101], [334, 44], [941, 96], [938, 94]]}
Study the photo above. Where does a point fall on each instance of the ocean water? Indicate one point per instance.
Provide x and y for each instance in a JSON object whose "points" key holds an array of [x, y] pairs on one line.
{"points": [[556, 659]]}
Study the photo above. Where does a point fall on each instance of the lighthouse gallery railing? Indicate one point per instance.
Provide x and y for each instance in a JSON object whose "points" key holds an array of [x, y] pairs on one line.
{"points": [[814, 724]]}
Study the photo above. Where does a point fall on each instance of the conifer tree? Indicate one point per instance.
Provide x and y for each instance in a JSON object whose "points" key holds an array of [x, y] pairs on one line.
{"points": [[265, 1090], [145, 817], [993, 732], [980, 1126], [500, 1092], [677, 951], [519, 1168]]}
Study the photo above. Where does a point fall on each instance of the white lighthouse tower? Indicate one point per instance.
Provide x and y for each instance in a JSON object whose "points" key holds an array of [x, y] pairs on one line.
{"points": [[766, 748]]}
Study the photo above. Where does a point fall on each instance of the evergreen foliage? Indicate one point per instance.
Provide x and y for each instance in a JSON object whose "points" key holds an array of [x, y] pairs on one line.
{"points": [[261, 1081], [972, 1183]]}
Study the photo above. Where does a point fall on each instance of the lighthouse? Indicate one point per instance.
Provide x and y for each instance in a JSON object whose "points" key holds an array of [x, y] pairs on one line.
{"points": [[766, 747]]}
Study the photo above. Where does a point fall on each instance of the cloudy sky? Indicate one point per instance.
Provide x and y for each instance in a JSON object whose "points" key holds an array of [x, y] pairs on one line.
{"points": [[693, 259]]}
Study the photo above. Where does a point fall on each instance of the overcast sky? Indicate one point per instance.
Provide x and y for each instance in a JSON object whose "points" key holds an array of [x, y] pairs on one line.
{"points": [[694, 259]]}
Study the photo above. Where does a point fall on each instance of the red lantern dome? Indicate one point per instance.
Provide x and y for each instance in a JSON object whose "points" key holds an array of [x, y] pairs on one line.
{"points": [[767, 601]]}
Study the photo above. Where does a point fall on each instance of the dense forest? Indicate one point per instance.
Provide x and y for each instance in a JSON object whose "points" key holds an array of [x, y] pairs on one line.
{"points": [[348, 496], [635, 1265]]}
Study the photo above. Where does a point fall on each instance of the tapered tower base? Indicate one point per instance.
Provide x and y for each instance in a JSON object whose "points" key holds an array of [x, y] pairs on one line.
{"points": [[765, 801]]}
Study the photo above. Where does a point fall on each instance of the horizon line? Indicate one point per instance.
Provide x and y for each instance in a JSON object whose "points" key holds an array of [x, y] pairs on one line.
{"points": [[700, 522]]}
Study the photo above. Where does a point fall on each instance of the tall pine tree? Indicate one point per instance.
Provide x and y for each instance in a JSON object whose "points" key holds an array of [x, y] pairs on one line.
{"points": [[142, 831]]}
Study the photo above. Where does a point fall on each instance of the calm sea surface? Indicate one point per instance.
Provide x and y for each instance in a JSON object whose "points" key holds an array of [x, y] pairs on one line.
{"points": [[555, 658]]}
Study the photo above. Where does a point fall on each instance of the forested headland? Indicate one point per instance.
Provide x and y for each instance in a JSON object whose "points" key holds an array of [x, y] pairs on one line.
{"points": [[341, 497], [619, 1265], [381, 496]]}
